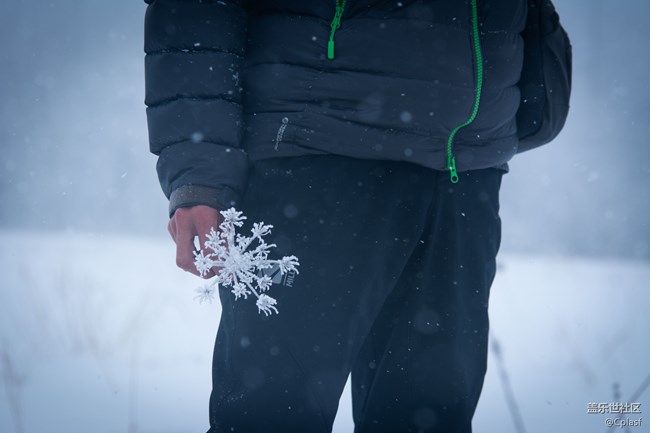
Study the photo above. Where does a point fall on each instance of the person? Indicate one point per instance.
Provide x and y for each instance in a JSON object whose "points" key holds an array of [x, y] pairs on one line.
{"points": [[373, 135]]}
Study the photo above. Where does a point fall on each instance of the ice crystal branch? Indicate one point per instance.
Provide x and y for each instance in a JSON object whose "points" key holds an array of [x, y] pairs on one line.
{"points": [[239, 265]]}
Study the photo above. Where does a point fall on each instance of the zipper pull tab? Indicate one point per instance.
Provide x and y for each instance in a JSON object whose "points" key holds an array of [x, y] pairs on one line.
{"points": [[336, 23], [451, 166], [330, 49]]}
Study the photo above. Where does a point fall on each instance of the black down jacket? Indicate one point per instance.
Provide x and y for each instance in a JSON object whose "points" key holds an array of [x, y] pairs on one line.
{"points": [[229, 82]]}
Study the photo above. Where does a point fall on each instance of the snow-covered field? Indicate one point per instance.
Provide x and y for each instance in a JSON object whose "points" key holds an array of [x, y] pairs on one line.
{"points": [[102, 334]]}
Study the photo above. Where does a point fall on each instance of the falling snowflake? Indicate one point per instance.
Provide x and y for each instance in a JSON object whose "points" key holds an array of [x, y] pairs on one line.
{"points": [[238, 264]]}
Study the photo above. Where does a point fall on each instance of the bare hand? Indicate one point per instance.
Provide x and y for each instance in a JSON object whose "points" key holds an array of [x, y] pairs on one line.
{"points": [[185, 224]]}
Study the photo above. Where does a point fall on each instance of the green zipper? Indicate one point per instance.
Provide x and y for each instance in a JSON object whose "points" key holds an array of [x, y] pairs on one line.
{"points": [[478, 54], [451, 160], [336, 23]]}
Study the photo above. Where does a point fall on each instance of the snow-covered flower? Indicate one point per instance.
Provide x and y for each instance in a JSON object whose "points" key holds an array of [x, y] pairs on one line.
{"points": [[213, 240], [288, 264], [239, 265], [205, 293], [203, 263], [264, 283], [265, 304], [259, 230], [240, 290], [233, 217]]}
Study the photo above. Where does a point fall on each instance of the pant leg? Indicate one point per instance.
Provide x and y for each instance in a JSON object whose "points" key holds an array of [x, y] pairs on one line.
{"points": [[353, 225], [423, 365]]}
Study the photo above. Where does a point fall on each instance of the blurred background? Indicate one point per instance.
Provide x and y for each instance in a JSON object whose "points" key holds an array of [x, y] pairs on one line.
{"points": [[94, 313]]}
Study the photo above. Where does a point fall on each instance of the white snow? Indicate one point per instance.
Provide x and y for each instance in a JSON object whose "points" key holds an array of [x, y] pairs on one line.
{"points": [[101, 333]]}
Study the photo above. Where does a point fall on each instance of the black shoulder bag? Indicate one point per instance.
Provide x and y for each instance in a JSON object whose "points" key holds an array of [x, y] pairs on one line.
{"points": [[545, 82]]}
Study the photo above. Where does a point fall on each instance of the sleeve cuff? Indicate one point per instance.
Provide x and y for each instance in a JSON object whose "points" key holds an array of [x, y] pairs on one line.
{"points": [[220, 198]]}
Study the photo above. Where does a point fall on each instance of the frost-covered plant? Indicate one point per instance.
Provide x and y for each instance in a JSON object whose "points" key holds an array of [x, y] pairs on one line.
{"points": [[239, 264]]}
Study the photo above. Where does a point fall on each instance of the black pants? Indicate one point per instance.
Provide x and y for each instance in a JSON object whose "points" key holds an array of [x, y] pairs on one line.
{"points": [[396, 264]]}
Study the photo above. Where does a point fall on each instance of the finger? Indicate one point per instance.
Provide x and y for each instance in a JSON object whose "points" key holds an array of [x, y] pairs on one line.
{"points": [[185, 248], [171, 228]]}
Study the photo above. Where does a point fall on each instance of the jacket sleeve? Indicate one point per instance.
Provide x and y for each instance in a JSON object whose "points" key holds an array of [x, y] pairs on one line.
{"points": [[194, 53]]}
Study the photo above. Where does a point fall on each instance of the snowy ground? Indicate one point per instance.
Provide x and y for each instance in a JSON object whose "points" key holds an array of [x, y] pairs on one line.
{"points": [[102, 334]]}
